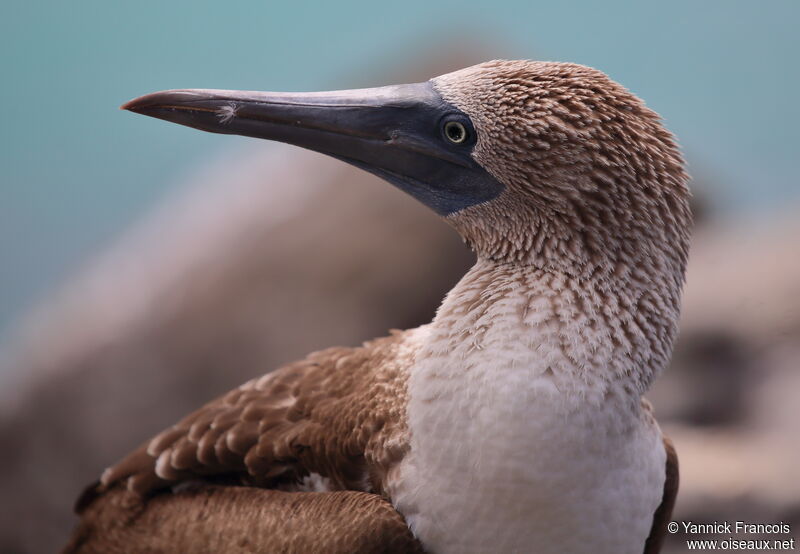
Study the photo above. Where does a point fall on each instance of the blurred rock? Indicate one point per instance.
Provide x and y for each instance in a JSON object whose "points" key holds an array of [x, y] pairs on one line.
{"points": [[730, 401], [708, 381]]}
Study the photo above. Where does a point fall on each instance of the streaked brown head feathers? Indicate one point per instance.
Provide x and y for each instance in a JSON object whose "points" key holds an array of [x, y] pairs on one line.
{"points": [[594, 182]]}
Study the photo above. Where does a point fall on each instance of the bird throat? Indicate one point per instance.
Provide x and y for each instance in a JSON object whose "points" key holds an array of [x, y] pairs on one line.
{"points": [[563, 333], [516, 363]]}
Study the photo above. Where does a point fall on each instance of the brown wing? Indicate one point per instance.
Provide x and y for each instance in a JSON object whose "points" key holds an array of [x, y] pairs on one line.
{"points": [[212, 519], [338, 413], [664, 512]]}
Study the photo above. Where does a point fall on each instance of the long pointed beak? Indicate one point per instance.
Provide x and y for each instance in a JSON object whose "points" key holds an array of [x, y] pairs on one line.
{"points": [[392, 131]]}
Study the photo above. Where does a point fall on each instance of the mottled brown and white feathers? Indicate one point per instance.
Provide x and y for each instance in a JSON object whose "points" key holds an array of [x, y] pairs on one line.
{"points": [[594, 182], [338, 414]]}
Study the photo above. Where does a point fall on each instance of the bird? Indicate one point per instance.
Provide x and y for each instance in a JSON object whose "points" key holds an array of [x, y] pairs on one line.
{"points": [[515, 421]]}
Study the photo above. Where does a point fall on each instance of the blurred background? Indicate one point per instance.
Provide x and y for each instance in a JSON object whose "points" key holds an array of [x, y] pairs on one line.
{"points": [[146, 267]]}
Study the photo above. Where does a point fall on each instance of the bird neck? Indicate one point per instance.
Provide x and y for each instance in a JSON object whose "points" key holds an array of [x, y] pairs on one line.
{"points": [[575, 336]]}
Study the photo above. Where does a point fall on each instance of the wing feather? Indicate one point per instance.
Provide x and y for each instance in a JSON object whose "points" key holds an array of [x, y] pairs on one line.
{"points": [[210, 519], [664, 512], [338, 413]]}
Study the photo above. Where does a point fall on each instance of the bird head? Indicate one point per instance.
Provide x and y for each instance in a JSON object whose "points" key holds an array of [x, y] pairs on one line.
{"points": [[547, 164]]}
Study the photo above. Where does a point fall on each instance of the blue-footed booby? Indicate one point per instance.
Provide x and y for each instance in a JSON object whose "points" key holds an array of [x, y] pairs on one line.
{"points": [[515, 420]]}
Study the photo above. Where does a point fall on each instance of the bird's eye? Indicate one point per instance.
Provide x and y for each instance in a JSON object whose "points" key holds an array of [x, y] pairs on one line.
{"points": [[455, 132]]}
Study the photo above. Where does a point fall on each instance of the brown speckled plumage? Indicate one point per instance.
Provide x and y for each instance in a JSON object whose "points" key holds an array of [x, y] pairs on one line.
{"points": [[594, 182], [337, 413]]}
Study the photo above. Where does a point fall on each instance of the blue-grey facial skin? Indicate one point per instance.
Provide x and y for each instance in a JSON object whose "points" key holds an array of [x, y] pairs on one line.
{"points": [[396, 132]]}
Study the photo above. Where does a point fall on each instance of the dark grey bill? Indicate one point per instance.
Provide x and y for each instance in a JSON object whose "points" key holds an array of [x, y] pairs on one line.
{"points": [[406, 134]]}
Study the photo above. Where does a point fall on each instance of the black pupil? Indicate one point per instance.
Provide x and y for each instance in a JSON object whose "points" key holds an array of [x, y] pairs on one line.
{"points": [[455, 132]]}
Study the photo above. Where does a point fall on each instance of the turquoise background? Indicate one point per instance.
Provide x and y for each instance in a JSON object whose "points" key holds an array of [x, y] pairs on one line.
{"points": [[76, 171]]}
